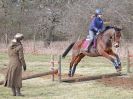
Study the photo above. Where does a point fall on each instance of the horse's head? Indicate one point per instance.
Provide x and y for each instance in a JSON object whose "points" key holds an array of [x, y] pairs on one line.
{"points": [[117, 36], [114, 33]]}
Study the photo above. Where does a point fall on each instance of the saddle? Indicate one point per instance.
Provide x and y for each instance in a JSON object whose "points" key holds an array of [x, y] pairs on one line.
{"points": [[93, 44]]}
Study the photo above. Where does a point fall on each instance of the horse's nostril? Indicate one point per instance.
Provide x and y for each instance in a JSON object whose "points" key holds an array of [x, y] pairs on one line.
{"points": [[116, 45]]}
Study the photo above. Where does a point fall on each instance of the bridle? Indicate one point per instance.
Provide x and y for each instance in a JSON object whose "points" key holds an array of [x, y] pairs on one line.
{"points": [[115, 40]]}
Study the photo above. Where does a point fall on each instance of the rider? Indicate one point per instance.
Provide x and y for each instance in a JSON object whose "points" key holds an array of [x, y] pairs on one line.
{"points": [[95, 27]]}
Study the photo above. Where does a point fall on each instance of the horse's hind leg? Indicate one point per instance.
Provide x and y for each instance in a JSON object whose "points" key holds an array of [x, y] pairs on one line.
{"points": [[78, 59], [71, 65]]}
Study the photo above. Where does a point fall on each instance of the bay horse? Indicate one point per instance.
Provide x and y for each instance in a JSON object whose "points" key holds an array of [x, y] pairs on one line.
{"points": [[104, 44]]}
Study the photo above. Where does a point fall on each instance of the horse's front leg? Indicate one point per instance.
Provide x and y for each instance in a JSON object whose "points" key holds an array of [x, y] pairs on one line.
{"points": [[117, 58], [115, 63]]}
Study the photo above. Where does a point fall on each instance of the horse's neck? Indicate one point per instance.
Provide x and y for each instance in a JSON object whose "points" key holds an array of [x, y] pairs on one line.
{"points": [[105, 38], [108, 33]]}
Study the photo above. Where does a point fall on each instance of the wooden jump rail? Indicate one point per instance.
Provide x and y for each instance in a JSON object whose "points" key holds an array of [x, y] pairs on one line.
{"points": [[52, 72], [87, 78], [36, 75]]}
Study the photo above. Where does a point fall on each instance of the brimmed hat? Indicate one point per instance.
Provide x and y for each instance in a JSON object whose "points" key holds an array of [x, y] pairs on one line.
{"points": [[18, 35]]}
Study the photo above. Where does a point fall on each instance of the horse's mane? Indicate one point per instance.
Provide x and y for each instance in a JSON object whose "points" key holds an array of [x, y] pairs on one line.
{"points": [[110, 27], [107, 28]]}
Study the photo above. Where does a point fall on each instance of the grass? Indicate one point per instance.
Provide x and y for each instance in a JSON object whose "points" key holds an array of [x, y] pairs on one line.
{"points": [[45, 89], [40, 88]]}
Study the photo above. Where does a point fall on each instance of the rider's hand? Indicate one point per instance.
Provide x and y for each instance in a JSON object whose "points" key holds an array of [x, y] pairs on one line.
{"points": [[98, 32]]}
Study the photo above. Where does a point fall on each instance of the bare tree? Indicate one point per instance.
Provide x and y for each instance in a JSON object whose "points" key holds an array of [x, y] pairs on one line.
{"points": [[5, 4], [50, 20]]}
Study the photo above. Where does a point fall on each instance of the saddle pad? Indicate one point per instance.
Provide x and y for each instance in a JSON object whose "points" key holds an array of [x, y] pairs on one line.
{"points": [[85, 43]]}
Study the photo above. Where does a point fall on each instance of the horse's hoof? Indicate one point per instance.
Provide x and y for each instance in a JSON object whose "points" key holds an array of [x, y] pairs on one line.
{"points": [[118, 70], [69, 75]]}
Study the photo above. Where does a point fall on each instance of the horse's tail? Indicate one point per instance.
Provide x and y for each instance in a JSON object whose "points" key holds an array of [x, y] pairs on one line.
{"points": [[68, 49]]}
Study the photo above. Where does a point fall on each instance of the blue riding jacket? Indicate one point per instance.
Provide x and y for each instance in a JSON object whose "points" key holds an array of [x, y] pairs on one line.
{"points": [[96, 25]]}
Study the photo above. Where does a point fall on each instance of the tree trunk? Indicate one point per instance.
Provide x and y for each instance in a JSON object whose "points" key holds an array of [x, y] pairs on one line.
{"points": [[49, 36]]}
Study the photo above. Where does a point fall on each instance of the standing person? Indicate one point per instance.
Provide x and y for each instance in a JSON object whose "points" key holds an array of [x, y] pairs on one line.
{"points": [[95, 27], [13, 77]]}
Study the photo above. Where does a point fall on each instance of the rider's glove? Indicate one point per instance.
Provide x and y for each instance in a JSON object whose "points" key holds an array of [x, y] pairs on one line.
{"points": [[97, 33]]}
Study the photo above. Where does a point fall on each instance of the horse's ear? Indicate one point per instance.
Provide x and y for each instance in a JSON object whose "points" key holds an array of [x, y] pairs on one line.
{"points": [[118, 28]]}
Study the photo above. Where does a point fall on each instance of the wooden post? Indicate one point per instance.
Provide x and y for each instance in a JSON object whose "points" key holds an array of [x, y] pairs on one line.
{"points": [[52, 66], [34, 43], [128, 61], [59, 69]]}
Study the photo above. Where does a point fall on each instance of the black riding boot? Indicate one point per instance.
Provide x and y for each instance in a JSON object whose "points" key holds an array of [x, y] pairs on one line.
{"points": [[13, 91], [18, 92]]}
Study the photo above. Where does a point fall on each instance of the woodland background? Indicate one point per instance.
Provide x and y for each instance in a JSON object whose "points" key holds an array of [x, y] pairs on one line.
{"points": [[60, 20]]}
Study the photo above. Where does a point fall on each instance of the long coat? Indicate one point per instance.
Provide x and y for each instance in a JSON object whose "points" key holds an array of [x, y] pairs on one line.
{"points": [[16, 61]]}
